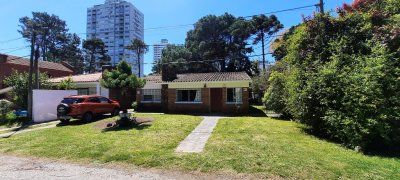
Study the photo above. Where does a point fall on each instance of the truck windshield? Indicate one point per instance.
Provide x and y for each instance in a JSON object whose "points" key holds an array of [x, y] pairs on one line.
{"points": [[72, 100]]}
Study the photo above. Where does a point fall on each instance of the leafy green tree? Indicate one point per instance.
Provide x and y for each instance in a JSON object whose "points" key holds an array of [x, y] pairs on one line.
{"points": [[172, 54], [264, 28], [69, 52], [122, 80], [220, 43], [140, 48], [49, 29], [121, 77], [19, 82], [66, 84], [96, 54], [343, 83]]}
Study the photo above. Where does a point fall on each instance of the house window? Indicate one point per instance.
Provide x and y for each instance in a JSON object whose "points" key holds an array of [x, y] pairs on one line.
{"points": [[151, 95], [234, 95], [188, 95], [83, 91]]}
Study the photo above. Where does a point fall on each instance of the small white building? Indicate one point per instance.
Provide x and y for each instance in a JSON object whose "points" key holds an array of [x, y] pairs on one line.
{"points": [[86, 84]]}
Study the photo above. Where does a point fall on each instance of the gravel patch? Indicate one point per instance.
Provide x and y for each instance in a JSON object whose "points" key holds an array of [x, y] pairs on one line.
{"points": [[22, 168]]}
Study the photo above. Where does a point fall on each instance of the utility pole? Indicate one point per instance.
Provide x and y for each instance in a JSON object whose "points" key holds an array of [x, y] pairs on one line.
{"points": [[30, 79], [321, 6]]}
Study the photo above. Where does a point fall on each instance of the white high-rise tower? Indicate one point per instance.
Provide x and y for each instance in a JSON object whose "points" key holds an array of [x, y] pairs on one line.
{"points": [[158, 49], [117, 23]]}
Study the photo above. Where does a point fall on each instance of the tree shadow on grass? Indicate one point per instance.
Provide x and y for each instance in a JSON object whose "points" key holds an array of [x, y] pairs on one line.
{"points": [[139, 126], [78, 122], [376, 149], [256, 112]]}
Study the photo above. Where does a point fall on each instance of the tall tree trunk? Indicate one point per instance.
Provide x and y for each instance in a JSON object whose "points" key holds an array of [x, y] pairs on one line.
{"points": [[263, 50], [91, 63], [138, 64], [36, 67], [30, 79]]}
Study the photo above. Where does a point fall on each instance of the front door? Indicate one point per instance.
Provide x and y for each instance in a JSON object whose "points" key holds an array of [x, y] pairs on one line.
{"points": [[216, 100]]}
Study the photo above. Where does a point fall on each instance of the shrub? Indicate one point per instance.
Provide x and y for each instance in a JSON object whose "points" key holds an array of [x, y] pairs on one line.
{"points": [[5, 108], [20, 83], [66, 84], [342, 79], [135, 105]]}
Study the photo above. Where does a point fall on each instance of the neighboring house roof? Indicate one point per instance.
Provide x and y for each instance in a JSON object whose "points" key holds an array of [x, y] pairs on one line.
{"points": [[204, 77], [95, 77], [42, 64], [153, 78]]}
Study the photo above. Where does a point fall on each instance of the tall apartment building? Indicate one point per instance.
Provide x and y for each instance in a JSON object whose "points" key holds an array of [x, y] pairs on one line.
{"points": [[117, 23], [158, 49]]}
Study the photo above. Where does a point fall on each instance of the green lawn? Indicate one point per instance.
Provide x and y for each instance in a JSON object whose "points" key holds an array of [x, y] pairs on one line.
{"points": [[258, 146]]}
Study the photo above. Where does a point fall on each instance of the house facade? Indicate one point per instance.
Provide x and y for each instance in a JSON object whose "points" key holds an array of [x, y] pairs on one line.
{"points": [[221, 92], [86, 84]]}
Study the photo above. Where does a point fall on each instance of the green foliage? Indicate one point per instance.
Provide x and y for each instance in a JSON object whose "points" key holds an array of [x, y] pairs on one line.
{"points": [[342, 79], [52, 39], [140, 48], [70, 53], [5, 108], [174, 54], [121, 77], [259, 84], [19, 81], [96, 54], [264, 28], [222, 39], [66, 84], [135, 105], [274, 97]]}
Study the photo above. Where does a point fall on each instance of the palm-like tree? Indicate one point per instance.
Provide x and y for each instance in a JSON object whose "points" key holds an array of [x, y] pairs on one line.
{"points": [[140, 48], [264, 28]]}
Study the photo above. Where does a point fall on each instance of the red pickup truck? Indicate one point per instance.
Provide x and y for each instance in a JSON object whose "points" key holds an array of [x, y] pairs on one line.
{"points": [[86, 107]]}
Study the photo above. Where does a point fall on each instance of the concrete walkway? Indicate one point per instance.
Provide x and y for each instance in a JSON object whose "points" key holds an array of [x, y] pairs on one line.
{"points": [[7, 135], [197, 139]]}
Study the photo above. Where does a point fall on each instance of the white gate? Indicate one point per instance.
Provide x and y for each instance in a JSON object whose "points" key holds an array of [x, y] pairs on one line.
{"points": [[44, 107]]}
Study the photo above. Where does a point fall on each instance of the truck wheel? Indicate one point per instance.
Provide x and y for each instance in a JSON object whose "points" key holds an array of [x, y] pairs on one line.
{"points": [[87, 117]]}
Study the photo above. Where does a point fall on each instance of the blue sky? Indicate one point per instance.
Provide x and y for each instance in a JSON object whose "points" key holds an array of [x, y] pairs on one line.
{"points": [[158, 13]]}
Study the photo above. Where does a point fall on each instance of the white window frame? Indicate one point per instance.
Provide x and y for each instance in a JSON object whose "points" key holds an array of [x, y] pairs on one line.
{"points": [[198, 97], [152, 92], [237, 96]]}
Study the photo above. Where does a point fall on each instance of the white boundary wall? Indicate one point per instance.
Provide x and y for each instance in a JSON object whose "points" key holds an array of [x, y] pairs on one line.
{"points": [[45, 103]]}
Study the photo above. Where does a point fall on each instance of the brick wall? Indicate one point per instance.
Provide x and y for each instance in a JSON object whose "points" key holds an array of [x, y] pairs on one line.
{"points": [[6, 69], [236, 108], [203, 107]]}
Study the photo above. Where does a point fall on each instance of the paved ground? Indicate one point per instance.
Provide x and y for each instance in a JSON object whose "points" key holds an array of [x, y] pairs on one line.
{"points": [[198, 138], [9, 134], [23, 168]]}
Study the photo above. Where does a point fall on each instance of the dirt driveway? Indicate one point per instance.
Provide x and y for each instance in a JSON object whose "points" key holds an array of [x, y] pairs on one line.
{"points": [[12, 167]]}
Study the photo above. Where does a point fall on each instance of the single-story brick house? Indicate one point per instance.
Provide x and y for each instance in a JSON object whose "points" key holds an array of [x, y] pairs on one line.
{"points": [[220, 92]]}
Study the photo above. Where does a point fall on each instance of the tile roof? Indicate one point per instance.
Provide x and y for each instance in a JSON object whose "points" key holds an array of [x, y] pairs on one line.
{"points": [[95, 77], [42, 64], [153, 78], [204, 77]]}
